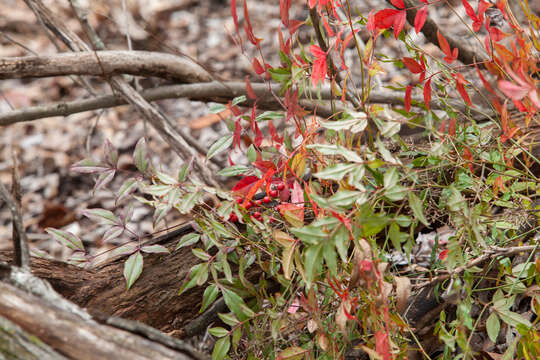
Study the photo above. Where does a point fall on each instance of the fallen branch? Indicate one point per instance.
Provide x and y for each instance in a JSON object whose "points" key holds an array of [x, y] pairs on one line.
{"points": [[220, 92], [104, 63], [49, 321]]}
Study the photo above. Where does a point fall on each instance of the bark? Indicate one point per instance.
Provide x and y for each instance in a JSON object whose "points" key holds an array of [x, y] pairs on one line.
{"points": [[153, 299], [37, 323]]}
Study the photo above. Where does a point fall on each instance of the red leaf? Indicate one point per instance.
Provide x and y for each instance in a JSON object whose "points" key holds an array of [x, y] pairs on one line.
{"points": [[382, 344], [460, 85], [486, 84], [248, 29], [427, 93], [243, 185], [451, 56], [420, 19], [513, 91], [294, 25], [249, 89], [452, 126], [468, 156], [412, 65], [318, 72], [257, 67], [407, 99], [284, 6], [398, 3], [257, 185], [237, 134], [443, 254], [386, 18], [234, 14], [399, 23]]}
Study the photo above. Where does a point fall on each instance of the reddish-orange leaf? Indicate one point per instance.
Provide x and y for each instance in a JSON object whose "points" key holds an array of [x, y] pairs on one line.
{"points": [[258, 67], [420, 19], [382, 345], [460, 85], [249, 89], [451, 56], [248, 29], [407, 99], [284, 6], [427, 92], [468, 156], [234, 14], [452, 126], [443, 254], [486, 84], [294, 25], [398, 3]]}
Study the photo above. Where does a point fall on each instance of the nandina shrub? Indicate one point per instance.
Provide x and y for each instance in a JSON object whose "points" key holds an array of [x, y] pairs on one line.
{"points": [[322, 203]]}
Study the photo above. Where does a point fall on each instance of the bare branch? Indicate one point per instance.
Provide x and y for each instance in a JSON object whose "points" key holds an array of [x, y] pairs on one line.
{"points": [[208, 92], [104, 63], [20, 242]]}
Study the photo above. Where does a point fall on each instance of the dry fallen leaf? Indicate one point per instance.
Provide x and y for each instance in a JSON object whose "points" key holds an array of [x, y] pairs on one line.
{"points": [[403, 292]]}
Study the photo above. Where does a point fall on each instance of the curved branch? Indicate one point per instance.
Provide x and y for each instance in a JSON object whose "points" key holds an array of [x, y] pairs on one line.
{"points": [[104, 63]]}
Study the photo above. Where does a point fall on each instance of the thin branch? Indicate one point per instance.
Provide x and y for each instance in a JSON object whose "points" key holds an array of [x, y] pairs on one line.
{"points": [[220, 92], [20, 242], [158, 121], [493, 252]]}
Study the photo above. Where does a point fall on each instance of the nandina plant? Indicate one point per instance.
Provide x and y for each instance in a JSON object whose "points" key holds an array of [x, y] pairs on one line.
{"points": [[321, 203]]}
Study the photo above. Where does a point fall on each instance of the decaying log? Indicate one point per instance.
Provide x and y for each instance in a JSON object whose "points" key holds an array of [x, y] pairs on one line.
{"points": [[153, 299], [37, 323]]}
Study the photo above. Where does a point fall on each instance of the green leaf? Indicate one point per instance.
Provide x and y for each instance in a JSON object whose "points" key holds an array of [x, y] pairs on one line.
{"points": [[239, 99], [391, 178], [221, 348], [105, 217], [155, 249], [396, 192], [66, 238], [493, 326], [416, 206], [133, 268], [218, 332], [512, 318], [312, 261], [228, 319], [188, 239], [341, 241], [344, 198], [234, 303], [201, 254], [251, 153], [89, 166], [140, 155], [183, 172], [219, 146], [216, 108], [335, 172], [166, 178], [126, 189], [396, 236], [209, 296], [233, 170], [355, 125], [269, 115], [309, 234], [330, 257], [188, 202], [329, 149]]}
